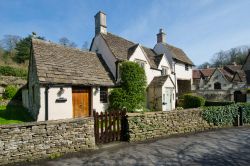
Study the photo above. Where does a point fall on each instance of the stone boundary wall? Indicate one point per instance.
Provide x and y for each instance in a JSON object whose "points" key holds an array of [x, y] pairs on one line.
{"points": [[38, 140], [143, 126]]}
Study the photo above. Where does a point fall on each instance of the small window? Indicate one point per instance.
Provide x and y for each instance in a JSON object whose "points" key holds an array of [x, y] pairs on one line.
{"points": [[141, 63], [164, 71], [186, 67], [103, 94]]}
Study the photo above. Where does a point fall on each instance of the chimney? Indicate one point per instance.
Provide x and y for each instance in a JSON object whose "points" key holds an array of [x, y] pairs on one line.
{"points": [[100, 23], [161, 37]]}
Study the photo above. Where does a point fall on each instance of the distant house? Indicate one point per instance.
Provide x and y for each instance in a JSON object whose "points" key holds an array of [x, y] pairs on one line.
{"points": [[225, 83], [246, 68], [167, 68], [66, 82]]}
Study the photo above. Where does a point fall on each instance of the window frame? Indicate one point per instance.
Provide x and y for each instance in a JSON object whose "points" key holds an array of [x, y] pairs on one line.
{"points": [[164, 68], [103, 94], [186, 67], [141, 63]]}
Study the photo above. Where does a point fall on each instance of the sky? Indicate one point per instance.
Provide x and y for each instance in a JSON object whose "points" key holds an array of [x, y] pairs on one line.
{"points": [[199, 27]]}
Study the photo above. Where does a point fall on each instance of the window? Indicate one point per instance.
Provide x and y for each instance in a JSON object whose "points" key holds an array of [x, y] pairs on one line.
{"points": [[164, 71], [186, 67], [103, 94], [141, 63], [217, 85]]}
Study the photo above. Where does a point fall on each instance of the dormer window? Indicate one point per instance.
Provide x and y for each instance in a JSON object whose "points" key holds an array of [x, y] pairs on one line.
{"points": [[141, 63], [164, 71], [186, 67]]}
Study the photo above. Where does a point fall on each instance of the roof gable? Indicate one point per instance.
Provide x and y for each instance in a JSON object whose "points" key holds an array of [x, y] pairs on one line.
{"points": [[122, 48], [178, 54], [57, 64]]}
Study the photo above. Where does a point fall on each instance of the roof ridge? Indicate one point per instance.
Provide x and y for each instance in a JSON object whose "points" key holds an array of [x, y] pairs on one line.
{"points": [[59, 45], [120, 37]]}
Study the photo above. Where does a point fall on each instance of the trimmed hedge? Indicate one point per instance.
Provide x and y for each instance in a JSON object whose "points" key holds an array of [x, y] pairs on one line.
{"points": [[226, 115], [218, 103], [12, 71], [193, 101]]}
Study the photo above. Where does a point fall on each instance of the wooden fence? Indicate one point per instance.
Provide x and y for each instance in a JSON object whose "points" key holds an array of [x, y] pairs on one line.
{"points": [[109, 126]]}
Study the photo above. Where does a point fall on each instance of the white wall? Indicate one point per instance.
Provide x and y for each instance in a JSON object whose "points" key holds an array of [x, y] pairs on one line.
{"points": [[56, 110], [102, 48], [97, 105]]}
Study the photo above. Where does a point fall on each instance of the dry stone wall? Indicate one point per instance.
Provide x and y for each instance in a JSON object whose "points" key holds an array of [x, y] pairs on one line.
{"points": [[39, 140], [143, 126]]}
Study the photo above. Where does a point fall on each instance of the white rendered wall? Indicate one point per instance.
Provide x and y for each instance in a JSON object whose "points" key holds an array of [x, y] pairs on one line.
{"points": [[41, 114], [101, 47], [56, 110], [182, 73], [97, 105]]}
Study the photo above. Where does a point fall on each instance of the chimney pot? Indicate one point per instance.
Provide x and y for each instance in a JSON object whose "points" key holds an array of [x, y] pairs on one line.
{"points": [[100, 23]]}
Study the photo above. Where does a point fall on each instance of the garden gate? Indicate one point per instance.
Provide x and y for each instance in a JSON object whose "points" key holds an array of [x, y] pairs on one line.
{"points": [[110, 126]]}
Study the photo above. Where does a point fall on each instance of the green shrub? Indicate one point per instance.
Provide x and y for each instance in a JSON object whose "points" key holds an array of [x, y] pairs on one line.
{"points": [[246, 111], [193, 101], [11, 71], [218, 103], [131, 94], [10, 91], [220, 115], [248, 90]]}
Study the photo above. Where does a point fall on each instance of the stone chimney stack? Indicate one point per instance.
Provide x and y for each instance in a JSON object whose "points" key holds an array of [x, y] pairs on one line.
{"points": [[100, 23], [161, 37]]}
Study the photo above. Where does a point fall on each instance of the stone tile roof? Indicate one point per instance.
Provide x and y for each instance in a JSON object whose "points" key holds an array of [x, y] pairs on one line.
{"points": [[236, 70], [207, 72], [118, 45], [196, 74], [57, 64], [178, 54], [158, 81], [123, 48]]}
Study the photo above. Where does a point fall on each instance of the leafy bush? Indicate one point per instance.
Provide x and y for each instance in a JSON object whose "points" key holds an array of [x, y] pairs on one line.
{"points": [[246, 111], [10, 91], [131, 94], [11, 71], [193, 101], [218, 103], [220, 115], [248, 90]]}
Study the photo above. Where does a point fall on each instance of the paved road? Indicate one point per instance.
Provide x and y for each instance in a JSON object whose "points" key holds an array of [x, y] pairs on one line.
{"points": [[221, 147]]}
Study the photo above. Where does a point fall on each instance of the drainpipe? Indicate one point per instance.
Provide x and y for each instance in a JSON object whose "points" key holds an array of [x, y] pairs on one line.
{"points": [[175, 84], [47, 102]]}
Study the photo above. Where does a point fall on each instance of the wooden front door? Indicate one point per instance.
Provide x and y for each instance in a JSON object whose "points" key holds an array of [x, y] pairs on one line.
{"points": [[81, 102]]}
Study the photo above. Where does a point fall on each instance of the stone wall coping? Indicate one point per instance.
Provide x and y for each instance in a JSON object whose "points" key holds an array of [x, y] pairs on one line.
{"points": [[50, 122], [160, 112]]}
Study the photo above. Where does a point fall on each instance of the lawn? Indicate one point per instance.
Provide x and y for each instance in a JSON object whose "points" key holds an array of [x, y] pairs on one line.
{"points": [[13, 115]]}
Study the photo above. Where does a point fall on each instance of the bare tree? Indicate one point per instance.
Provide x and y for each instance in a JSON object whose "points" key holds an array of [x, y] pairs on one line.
{"points": [[66, 42], [9, 43], [85, 46]]}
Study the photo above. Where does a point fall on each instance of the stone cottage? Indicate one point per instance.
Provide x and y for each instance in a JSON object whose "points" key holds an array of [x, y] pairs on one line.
{"points": [[227, 83], [166, 66], [66, 82]]}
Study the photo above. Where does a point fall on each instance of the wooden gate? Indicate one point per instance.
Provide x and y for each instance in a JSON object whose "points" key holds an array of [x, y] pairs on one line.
{"points": [[110, 126]]}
